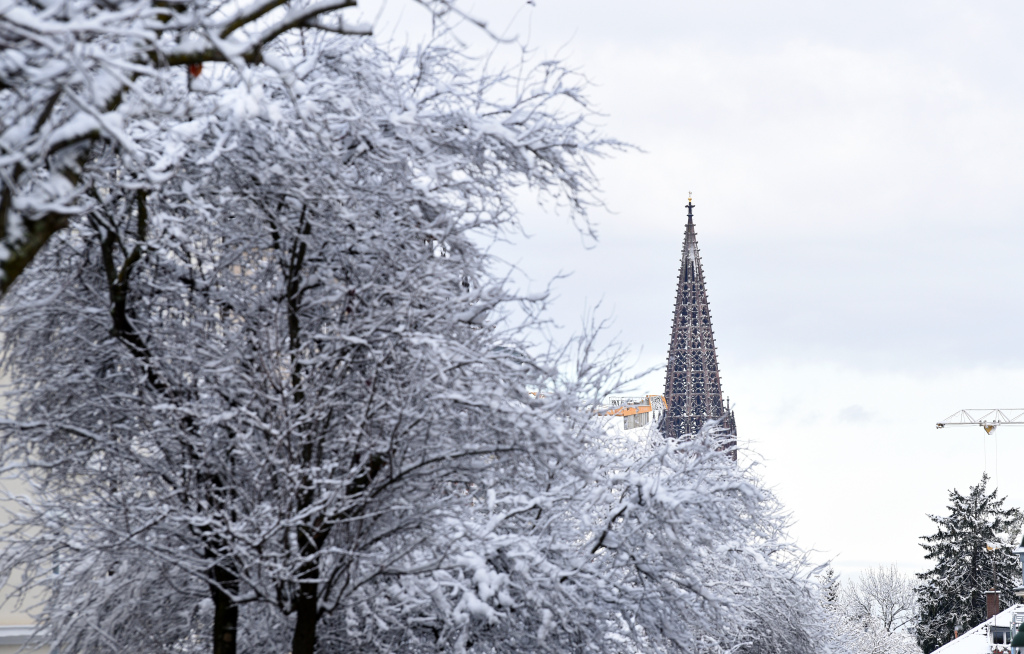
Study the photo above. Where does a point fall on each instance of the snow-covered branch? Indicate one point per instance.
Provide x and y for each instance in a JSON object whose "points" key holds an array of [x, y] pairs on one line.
{"points": [[79, 78]]}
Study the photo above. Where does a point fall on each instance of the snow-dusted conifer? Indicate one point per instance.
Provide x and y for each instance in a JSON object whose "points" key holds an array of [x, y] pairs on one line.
{"points": [[830, 586], [971, 552]]}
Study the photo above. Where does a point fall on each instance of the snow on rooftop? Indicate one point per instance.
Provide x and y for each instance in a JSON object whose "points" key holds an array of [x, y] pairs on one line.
{"points": [[979, 640]]}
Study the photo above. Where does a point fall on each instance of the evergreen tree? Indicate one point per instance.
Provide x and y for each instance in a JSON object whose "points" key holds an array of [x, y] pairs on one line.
{"points": [[829, 584], [972, 553]]}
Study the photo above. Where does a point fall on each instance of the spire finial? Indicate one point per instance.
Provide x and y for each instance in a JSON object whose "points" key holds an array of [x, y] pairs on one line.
{"points": [[689, 208]]}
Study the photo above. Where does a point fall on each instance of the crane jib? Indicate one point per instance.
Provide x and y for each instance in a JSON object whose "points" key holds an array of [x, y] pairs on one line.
{"points": [[987, 419]]}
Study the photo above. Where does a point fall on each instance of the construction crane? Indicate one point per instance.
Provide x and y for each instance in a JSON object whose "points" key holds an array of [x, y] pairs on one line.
{"points": [[987, 419], [635, 411]]}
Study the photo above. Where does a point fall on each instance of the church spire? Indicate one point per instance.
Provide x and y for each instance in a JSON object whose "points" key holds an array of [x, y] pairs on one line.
{"points": [[693, 387]]}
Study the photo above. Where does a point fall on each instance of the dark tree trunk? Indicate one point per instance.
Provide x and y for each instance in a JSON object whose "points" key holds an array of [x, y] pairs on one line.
{"points": [[225, 612], [306, 618], [307, 611]]}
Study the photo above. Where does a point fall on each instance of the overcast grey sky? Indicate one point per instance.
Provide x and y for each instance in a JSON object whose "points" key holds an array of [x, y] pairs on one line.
{"points": [[858, 172]]}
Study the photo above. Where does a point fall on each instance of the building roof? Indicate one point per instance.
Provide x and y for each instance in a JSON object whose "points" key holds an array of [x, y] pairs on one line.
{"points": [[978, 640]]}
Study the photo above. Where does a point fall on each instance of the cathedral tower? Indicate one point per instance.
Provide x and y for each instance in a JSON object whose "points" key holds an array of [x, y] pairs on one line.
{"points": [[693, 388]]}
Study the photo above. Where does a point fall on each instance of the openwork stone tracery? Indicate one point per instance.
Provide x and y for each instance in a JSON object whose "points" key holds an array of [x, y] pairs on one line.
{"points": [[693, 387]]}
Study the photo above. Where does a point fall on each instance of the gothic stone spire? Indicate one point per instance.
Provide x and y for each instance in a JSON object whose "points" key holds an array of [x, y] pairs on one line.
{"points": [[693, 388]]}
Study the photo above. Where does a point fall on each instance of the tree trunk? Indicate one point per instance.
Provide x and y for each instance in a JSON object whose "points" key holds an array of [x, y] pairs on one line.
{"points": [[225, 612], [304, 636]]}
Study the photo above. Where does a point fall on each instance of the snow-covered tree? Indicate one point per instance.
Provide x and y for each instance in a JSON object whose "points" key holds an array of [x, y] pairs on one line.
{"points": [[830, 587], [277, 402], [81, 77], [971, 552], [883, 595], [294, 343], [668, 547], [852, 636], [869, 616]]}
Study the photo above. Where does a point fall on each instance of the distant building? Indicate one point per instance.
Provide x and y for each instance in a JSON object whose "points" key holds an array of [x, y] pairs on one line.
{"points": [[16, 624], [693, 386], [636, 412], [14, 637]]}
